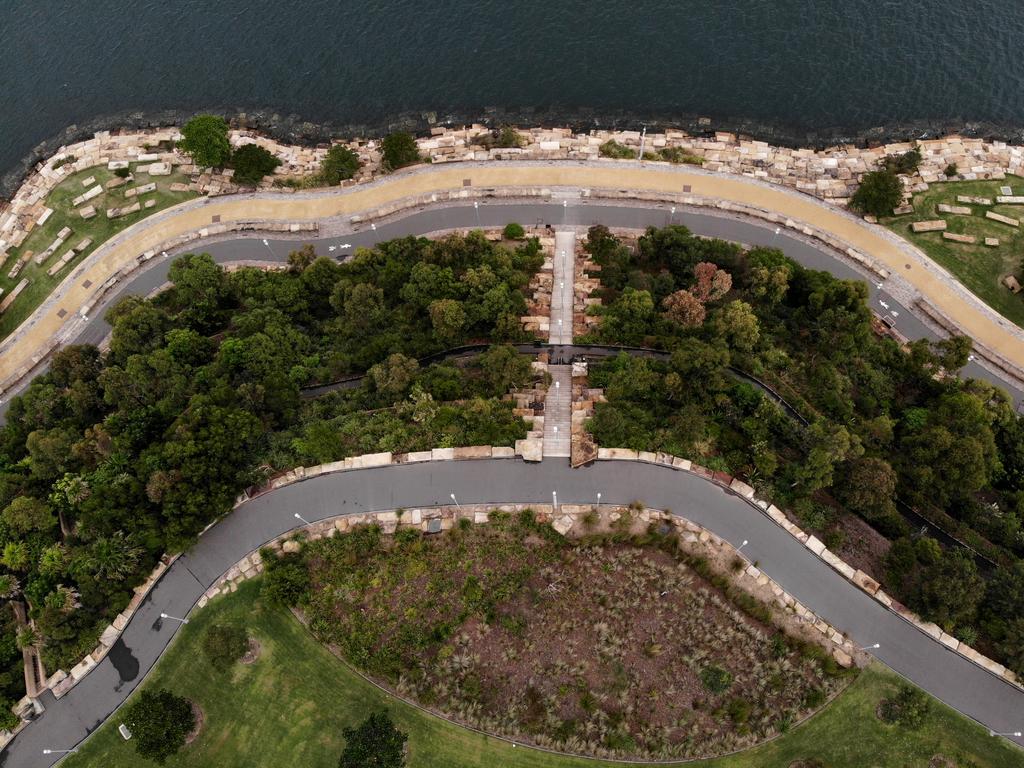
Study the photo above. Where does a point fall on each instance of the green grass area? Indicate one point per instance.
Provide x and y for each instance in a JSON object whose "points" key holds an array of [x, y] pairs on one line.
{"points": [[979, 267], [290, 706], [99, 228]]}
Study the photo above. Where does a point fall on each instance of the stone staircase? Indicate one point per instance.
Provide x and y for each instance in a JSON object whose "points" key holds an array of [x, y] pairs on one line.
{"points": [[558, 403], [558, 412]]}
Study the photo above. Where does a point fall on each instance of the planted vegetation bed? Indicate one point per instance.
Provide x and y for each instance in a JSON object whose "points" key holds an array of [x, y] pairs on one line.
{"points": [[291, 706], [611, 646], [887, 425]]}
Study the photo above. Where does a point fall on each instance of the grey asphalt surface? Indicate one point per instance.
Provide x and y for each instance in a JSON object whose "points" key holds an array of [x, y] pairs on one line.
{"points": [[576, 213], [926, 662]]}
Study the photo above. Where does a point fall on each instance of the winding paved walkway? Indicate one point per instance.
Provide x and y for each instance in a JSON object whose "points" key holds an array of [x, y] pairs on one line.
{"points": [[923, 660], [439, 182]]}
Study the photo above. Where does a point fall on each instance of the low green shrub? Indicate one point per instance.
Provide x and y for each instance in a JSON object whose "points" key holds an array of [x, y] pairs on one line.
{"points": [[908, 708], [614, 149], [716, 679], [224, 644], [513, 231]]}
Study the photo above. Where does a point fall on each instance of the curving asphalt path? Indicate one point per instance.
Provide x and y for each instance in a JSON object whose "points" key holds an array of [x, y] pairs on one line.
{"points": [[575, 213], [926, 662]]}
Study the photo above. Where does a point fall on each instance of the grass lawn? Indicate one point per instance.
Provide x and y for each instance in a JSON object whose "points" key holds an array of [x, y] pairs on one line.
{"points": [[99, 228], [979, 267], [290, 706]]}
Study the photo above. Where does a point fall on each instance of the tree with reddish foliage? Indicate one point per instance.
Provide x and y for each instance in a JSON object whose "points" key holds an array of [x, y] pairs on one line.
{"points": [[712, 283], [685, 308]]}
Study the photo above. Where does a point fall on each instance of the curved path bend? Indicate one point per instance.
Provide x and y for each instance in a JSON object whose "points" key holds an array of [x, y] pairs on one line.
{"points": [[926, 662], [580, 213], [581, 177]]}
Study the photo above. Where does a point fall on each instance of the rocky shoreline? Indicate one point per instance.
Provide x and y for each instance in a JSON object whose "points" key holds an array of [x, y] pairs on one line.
{"points": [[294, 129]]}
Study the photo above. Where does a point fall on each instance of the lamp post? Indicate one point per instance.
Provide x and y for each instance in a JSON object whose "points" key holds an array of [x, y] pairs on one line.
{"points": [[174, 618], [1014, 734], [60, 751], [476, 207], [554, 500], [304, 520], [741, 546], [599, 498], [455, 500], [869, 647]]}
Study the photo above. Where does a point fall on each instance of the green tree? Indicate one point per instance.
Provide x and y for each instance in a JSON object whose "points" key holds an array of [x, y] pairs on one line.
{"points": [[869, 488], [502, 368], [224, 644], [629, 317], [340, 163], [684, 308], [394, 376], [27, 515], [251, 163], [399, 150], [448, 319], [205, 138], [879, 192], [738, 325], [159, 722], [200, 290], [908, 708], [114, 558], [301, 259], [374, 743], [949, 591]]}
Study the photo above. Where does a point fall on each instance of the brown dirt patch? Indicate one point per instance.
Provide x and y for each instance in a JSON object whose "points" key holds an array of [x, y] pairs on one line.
{"points": [[251, 655], [941, 761], [200, 718], [863, 547]]}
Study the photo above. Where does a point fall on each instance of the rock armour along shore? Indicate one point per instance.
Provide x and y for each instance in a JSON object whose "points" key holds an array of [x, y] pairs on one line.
{"points": [[831, 174]]}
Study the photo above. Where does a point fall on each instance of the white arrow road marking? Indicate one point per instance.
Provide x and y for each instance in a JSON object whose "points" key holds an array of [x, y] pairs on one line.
{"points": [[884, 305]]}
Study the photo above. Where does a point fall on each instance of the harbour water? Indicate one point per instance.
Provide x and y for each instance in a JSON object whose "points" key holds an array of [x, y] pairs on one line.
{"points": [[796, 68]]}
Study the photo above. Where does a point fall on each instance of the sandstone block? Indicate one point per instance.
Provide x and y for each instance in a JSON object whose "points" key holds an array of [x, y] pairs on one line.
{"points": [[928, 226], [531, 449], [1002, 219], [992, 242], [960, 210], [968, 239]]}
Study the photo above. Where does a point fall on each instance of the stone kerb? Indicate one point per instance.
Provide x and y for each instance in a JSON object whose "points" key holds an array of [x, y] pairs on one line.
{"points": [[856, 577], [563, 518]]}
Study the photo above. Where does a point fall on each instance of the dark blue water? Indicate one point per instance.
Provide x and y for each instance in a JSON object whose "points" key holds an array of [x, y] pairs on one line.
{"points": [[803, 64]]}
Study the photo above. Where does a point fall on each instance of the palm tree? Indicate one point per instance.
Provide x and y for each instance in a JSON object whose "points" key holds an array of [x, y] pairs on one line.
{"points": [[9, 586], [113, 557]]}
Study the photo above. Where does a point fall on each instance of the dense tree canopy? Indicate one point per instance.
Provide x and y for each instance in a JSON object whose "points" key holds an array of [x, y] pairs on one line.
{"points": [[205, 138], [108, 460]]}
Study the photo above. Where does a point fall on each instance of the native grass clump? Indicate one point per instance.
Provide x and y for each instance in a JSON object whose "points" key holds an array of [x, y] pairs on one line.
{"points": [[612, 647]]}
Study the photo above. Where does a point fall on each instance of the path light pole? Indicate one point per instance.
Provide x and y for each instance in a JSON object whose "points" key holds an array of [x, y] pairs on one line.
{"points": [[671, 215], [304, 520], [554, 500], [777, 230], [60, 751], [476, 207], [643, 135], [455, 500], [174, 618], [1015, 734], [599, 498], [741, 546], [869, 647], [267, 243]]}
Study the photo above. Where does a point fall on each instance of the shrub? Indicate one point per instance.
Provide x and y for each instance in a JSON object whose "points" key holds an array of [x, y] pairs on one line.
{"points": [[678, 155], [286, 578], [205, 138], [513, 231], [879, 192], [738, 711], [399, 150], [8, 720], [66, 160], [908, 708], [224, 644], [715, 679], [122, 173], [907, 162], [159, 722], [951, 170], [612, 148], [339, 164], [252, 162], [814, 698], [508, 138], [375, 742]]}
